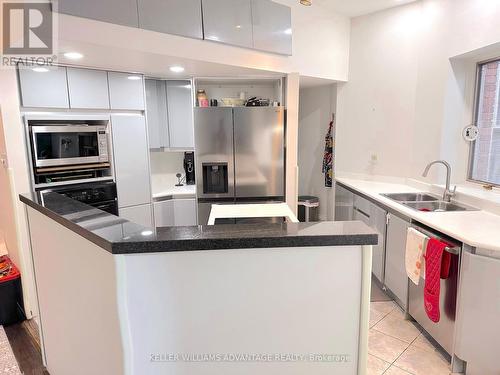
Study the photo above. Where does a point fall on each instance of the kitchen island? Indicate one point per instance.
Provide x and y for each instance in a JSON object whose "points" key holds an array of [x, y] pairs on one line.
{"points": [[118, 298]]}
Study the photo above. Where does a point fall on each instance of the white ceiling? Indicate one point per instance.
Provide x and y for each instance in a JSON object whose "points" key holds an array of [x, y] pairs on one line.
{"points": [[352, 8]]}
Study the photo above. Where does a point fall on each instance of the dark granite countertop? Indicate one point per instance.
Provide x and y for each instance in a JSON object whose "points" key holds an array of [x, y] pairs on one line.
{"points": [[119, 236]]}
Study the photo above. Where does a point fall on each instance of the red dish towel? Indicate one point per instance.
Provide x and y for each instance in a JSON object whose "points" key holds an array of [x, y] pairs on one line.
{"points": [[437, 264]]}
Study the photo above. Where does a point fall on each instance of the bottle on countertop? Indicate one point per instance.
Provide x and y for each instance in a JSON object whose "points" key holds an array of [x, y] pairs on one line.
{"points": [[202, 98]]}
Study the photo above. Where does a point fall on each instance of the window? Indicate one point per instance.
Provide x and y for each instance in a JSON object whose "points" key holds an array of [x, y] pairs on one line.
{"points": [[485, 151]]}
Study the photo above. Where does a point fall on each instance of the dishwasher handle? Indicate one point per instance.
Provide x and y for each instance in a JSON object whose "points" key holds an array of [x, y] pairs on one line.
{"points": [[454, 250]]}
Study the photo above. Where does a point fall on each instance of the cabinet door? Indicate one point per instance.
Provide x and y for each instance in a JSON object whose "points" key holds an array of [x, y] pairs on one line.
{"points": [[164, 213], [126, 91], [228, 21], [48, 89], [185, 212], [156, 113], [343, 204], [378, 218], [272, 27], [141, 215], [395, 272], [121, 12], [179, 17], [477, 324], [131, 156], [180, 114], [88, 88]]}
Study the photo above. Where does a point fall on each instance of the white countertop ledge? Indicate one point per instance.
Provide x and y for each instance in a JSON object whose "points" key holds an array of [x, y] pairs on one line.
{"points": [[187, 191], [479, 229]]}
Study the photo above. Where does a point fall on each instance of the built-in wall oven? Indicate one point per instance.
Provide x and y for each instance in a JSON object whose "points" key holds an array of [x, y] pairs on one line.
{"points": [[101, 195], [69, 151]]}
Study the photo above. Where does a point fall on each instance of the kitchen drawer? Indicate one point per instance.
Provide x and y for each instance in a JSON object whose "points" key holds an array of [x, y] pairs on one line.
{"points": [[343, 204], [362, 204]]}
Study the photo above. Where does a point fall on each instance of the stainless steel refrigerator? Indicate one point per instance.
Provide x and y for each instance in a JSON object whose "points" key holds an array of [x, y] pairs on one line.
{"points": [[240, 156]]}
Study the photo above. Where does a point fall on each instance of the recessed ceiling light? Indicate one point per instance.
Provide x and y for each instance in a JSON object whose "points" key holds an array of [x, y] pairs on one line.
{"points": [[288, 31], [147, 232], [73, 55], [134, 78], [176, 69], [40, 69], [238, 26], [307, 3]]}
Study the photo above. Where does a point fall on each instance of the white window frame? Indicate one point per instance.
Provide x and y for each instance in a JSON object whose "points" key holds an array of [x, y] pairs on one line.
{"points": [[478, 91]]}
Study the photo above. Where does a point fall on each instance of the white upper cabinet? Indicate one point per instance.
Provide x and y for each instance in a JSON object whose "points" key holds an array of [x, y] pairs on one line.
{"points": [[47, 89], [180, 114], [88, 88], [228, 21], [272, 27], [156, 113], [131, 156], [179, 17], [126, 91], [121, 12]]}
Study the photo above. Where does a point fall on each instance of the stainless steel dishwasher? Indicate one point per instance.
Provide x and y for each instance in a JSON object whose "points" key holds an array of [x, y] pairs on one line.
{"points": [[442, 331]]}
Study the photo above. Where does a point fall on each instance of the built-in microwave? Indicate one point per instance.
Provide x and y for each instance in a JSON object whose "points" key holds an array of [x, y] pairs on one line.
{"points": [[72, 144]]}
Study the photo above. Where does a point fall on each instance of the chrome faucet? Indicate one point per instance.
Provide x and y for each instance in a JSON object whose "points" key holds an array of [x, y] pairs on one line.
{"points": [[448, 193]]}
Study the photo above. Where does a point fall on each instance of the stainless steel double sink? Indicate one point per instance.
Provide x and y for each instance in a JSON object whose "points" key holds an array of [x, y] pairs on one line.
{"points": [[427, 202]]}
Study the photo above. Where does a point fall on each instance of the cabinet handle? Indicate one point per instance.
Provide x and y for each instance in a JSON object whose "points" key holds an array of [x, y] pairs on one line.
{"points": [[361, 212]]}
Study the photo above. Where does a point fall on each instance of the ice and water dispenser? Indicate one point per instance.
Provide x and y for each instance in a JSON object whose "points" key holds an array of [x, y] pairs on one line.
{"points": [[215, 178]]}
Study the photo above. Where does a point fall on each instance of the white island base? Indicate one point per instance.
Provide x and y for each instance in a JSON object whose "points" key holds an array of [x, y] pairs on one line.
{"points": [[267, 311]]}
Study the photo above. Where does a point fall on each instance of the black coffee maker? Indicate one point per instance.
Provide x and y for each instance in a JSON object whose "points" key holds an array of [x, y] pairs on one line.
{"points": [[189, 167]]}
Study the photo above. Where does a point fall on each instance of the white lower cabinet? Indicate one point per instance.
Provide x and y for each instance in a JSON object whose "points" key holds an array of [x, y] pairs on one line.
{"points": [[478, 329], [369, 213], [164, 213], [343, 204], [185, 212], [175, 212], [396, 279], [378, 222], [141, 215]]}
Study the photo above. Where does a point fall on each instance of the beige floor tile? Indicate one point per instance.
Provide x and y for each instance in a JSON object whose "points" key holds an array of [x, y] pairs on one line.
{"points": [[422, 362], [395, 325], [385, 347], [375, 316], [393, 370], [376, 366], [383, 307], [423, 343]]}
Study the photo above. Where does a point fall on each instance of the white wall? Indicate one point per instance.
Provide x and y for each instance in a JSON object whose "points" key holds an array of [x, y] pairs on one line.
{"points": [[320, 45], [164, 167], [315, 111], [376, 107], [406, 102], [17, 235]]}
